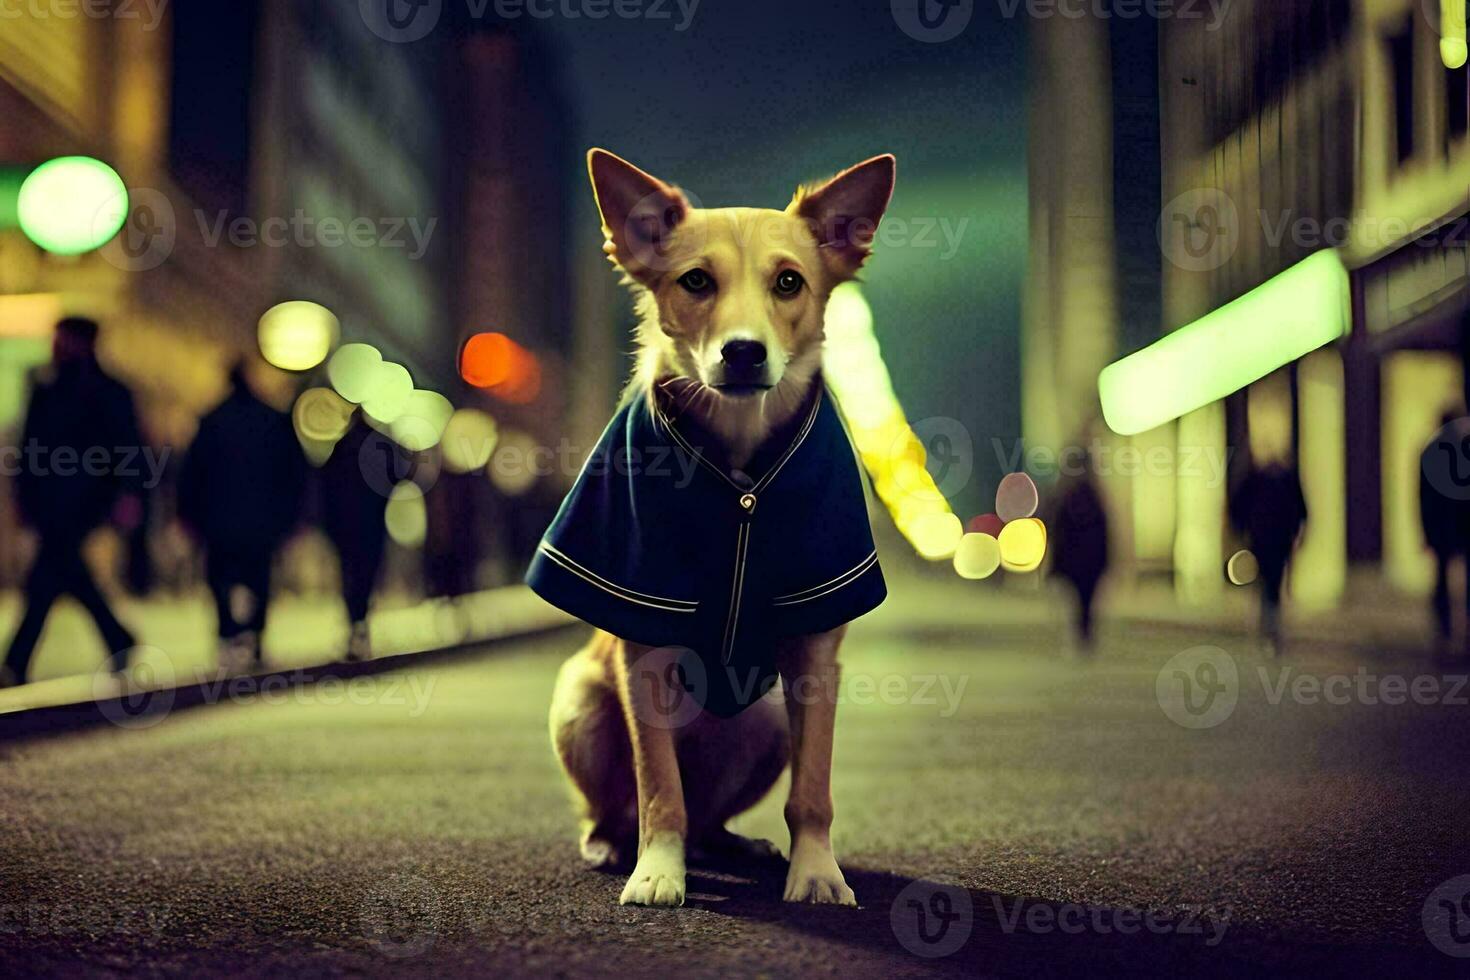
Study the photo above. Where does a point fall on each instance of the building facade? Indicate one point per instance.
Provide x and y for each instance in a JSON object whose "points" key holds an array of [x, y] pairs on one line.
{"points": [[1282, 129]]}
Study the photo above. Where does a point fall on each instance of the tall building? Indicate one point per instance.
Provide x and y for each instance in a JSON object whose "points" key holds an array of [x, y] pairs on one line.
{"points": [[1284, 129]]}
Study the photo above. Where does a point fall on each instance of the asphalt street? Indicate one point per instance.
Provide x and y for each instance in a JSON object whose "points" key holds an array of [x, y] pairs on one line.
{"points": [[1003, 808]]}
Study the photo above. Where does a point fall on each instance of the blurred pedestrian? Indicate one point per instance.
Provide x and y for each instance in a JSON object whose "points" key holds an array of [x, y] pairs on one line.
{"points": [[1079, 533], [1269, 509], [240, 493], [356, 482], [80, 463], [1446, 519]]}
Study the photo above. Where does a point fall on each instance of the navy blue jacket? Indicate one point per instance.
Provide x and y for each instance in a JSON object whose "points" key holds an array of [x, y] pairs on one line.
{"points": [[660, 542]]}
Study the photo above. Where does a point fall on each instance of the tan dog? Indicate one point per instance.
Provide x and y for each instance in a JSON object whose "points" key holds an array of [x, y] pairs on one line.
{"points": [[731, 303]]}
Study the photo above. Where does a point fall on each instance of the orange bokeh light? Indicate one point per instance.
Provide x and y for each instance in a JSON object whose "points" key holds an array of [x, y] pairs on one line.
{"points": [[495, 362]]}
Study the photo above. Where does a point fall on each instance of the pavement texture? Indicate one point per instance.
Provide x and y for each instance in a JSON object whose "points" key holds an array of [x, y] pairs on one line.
{"points": [[1004, 808]]}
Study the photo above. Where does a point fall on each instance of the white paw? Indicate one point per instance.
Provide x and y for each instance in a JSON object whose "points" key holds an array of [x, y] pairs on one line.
{"points": [[658, 879], [814, 877]]}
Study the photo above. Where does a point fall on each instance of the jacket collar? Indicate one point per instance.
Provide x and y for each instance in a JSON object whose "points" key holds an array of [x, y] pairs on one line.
{"points": [[696, 442]]}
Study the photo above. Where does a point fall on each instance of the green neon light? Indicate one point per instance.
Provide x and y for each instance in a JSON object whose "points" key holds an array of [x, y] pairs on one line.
{"points": [[11, 179], [1283, 319], [72, 205]]}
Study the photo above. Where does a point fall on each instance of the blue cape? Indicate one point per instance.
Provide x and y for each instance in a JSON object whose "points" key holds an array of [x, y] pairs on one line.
{"points": [[660, 542]]}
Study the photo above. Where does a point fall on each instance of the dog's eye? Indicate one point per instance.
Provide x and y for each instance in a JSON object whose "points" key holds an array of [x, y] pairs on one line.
{"points": [[789, 283], [696, 281]]}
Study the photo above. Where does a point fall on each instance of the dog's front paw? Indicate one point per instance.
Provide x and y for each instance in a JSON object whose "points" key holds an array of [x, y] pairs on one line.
{"points": [[814, 877], [658, 879]]}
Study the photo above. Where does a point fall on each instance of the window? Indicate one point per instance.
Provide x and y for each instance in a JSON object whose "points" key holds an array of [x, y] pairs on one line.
{"points": [[1401, 55]]}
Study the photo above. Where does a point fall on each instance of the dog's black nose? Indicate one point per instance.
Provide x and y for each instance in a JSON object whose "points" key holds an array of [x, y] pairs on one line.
{"points": [[744, 355]]}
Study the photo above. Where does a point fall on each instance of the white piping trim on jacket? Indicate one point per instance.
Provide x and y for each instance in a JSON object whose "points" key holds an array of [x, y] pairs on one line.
{"points": [[806, 429], [622, 592], [817, 591], [737, 589]]}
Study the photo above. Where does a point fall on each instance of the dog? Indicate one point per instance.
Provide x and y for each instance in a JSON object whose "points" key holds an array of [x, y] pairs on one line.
{"points": [[668, 723]]}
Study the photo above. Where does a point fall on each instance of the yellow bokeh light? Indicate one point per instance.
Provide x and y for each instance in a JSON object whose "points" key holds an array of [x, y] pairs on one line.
{"points": [[420, 425], [353, 371], [977, 557], [469, 440], [513, 466], [389, 393], [321, 415], [407, 518], [935, 535], [1023, 545], [297, 335]]}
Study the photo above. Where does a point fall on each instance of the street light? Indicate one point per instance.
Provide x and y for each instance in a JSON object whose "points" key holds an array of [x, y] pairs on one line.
{"points": [[72, 205]]}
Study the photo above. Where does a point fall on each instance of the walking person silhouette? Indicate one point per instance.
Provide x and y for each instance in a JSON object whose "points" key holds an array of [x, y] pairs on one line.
{"points": [[80, 424], [1444, 513], [240, 492]]}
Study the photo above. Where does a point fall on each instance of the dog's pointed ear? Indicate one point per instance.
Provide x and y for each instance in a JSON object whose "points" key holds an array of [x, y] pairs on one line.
{"points": [[844, 212], [639, 212]]}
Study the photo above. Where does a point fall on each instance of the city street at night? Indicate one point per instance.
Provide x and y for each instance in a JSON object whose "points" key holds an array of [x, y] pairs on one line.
{"points": [[734, 488], [416, 822]]}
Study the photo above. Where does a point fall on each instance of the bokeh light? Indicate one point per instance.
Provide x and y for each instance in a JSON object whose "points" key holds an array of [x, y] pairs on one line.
{"points": [[297, 335], [977, 556], [389, 392], [469, 439], [512, 467], [1242, 568], [420, 425], [990, 524], [406, 517], [353, 371], [1023, 545], [72, 205], [1016, 498], [498, 364], [886, 443], [935, 535], [321, 415]]}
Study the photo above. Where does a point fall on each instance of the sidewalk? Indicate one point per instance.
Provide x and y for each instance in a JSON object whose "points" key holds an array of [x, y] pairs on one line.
{"points": [[178, 645], [1371, 617], [310, 633]]}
